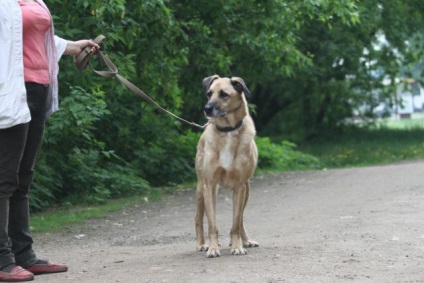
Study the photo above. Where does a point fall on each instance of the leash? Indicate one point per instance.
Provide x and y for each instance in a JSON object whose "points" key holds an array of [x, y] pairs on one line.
{"points": [[83, 60]]}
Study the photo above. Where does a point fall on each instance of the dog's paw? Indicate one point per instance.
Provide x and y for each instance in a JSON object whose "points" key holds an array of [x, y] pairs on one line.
{"points": [[212, 252], [250, 244], [238, 251], [201, 248]]}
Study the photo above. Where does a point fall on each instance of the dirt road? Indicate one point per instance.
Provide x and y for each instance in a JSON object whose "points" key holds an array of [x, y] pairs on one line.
{"points": [[347, 225]]}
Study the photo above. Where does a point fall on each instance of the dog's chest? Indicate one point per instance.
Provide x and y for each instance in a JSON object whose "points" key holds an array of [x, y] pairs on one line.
{"points": [[226, 153]]}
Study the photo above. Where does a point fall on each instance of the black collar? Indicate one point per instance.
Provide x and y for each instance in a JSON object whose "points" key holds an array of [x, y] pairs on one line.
{"points": [[229, 129]]}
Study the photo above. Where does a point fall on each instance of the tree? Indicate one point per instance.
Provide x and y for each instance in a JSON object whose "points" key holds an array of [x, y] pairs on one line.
{"points": [[308, 64], [346, 68]]}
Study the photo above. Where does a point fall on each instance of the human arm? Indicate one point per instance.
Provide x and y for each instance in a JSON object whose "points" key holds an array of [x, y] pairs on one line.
{"points": [[69, 47]]}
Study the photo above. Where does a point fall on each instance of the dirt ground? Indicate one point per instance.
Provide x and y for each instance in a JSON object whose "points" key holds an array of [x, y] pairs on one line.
{"points": [[346, 225]]}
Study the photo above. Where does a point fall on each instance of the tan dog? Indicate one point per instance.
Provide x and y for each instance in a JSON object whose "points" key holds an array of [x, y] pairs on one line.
{"points": [[226, 156]]}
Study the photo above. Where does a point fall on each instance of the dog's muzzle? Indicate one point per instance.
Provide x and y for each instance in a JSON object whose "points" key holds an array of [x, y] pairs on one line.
{"points": [[211, 110]]}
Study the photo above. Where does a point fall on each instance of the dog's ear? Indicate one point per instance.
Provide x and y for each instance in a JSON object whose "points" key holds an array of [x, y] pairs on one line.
{"points": [[208, 81], [240, 86]]}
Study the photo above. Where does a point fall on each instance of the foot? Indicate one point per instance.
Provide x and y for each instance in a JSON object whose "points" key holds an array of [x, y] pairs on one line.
{"points": [[238, 250], [213, 252], [15, 274], [250, 244], [47, 266], [201, 248]]}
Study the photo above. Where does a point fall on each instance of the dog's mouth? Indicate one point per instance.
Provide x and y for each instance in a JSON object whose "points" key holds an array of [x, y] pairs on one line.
{"points": [[218, 115]]}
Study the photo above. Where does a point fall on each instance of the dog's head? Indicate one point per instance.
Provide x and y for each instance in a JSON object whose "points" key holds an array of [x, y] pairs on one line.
{"points": [[224, 95]]}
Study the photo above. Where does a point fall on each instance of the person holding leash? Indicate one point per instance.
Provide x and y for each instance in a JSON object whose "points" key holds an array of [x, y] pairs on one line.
{"points": [[29, 55]]}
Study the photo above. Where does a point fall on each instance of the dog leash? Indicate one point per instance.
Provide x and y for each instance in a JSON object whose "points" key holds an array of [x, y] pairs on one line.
{"points": [[83, 60]]}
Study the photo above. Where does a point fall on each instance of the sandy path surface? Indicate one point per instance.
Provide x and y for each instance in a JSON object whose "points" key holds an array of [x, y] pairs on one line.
{"points": [[346, 225]]}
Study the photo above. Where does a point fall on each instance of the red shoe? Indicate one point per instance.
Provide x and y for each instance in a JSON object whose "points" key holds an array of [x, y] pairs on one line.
{"points": [[47, 266], [17, 274]]}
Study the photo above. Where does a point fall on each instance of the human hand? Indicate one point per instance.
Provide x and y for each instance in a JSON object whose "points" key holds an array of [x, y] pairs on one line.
{"points": [[76, 47]]}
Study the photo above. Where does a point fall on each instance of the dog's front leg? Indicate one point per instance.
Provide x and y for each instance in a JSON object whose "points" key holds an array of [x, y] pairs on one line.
{"points": [[239, 196], [210, 192], [200, 213]]}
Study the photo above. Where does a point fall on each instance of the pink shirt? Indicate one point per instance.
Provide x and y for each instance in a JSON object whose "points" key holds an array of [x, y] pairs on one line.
{"points": [[36, 22]]}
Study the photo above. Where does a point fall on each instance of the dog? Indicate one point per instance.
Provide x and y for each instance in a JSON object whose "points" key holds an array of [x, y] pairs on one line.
{"points": [[226, 157]]}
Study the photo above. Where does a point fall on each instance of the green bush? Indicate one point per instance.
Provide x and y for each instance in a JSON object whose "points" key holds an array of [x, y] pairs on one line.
{"points": [[73, 165], [283, 156], [169, 160]]}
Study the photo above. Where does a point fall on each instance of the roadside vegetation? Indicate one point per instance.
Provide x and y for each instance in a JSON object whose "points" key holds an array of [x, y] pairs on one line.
{"points": [[384, 143], [309, 65], [380, 144]]}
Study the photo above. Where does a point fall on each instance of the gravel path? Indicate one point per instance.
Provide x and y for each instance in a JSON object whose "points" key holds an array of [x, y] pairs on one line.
{"points": [[345, 225]]}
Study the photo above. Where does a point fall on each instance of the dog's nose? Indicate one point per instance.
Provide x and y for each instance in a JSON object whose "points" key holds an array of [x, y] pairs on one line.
{"points": [[208, 109]]}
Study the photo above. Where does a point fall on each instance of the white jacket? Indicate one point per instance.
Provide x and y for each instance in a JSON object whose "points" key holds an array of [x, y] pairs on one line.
{"points": [[13, 104]]}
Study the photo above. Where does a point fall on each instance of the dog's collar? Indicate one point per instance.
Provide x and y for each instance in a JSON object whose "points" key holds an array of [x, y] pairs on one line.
{"points": [[229, 129]]}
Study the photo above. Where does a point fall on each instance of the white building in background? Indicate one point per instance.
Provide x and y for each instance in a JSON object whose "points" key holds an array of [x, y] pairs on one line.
{"points": [[408, 103], [410, 97]]}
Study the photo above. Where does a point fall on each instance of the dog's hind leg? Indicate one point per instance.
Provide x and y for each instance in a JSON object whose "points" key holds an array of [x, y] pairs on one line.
{"points": [[200, 212], [247, 243]]}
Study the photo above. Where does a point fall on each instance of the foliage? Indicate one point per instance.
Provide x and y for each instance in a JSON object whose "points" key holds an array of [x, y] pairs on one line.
{"points": [[73, 163], [308, 64], [350, 57], [283, 156]]}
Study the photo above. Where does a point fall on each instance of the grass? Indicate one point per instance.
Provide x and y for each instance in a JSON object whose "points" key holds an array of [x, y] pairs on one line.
{"points": [[412, 124], [387, 142], [61, 218]]}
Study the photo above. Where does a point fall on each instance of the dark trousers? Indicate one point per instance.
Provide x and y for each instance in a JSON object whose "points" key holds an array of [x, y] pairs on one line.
{"points": [[19, 147]]}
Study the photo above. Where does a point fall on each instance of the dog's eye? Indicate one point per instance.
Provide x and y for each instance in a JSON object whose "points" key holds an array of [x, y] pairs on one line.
{"points": [[209, 94], [223, 94]]}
